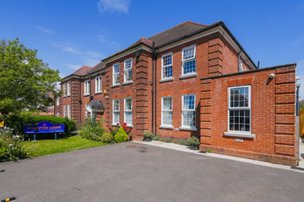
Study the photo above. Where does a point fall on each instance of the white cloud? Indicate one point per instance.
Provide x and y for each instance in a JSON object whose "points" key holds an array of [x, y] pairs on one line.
{"points": [[45, 30], [67, 47], [119, 6]]}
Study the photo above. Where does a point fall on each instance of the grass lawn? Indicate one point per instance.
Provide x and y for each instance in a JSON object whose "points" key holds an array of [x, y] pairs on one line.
{"points": [[45, 147]]}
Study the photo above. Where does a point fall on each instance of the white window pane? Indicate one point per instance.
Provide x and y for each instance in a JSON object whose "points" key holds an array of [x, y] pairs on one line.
{"points": [[189, 102], [128, 118], [167, 60], [116, 117], [128, 104], [167, 118], [189, 66], [188, 53], [167, 72], [189, 118], [167, 103]]}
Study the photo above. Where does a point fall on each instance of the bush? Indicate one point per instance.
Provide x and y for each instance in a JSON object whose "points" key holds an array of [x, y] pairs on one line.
{"points": [[11, 148], [121, 135], [17, 121], [193, 142], [92, 130], [148, 136], [107, 138]]}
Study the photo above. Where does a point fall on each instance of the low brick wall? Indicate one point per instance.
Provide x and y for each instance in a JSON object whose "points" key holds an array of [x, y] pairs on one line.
{"points": [[272, 115]]}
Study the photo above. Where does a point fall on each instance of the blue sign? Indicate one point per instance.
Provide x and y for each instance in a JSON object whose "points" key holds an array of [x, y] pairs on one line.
{"points": [[43, 127]]}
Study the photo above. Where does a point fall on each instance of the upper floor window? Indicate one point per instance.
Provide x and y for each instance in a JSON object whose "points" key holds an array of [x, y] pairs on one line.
{"points": [[57, 101], [128, 111], [188, 60], [116, 72], [128, 70], [87, 87], [167, 71], [239, 108], [98, 84], [69, 88], [64, 89], [188, 112], [166, 111]]}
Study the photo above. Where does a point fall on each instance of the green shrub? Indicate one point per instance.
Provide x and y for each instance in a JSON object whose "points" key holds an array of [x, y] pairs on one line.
{"points": [[193, 142], [148, 136], [17, 121], [11, 148], [121, 135], [107, 138], [91, 130]]}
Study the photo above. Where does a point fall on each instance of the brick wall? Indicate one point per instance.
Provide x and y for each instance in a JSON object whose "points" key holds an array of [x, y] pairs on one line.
{"points": [[272, 115]]}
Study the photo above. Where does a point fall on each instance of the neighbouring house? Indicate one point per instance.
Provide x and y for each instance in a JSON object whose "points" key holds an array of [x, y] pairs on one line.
{"points": [[191, 80]]}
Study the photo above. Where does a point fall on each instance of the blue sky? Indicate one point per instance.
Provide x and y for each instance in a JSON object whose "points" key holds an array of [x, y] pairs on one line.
{"points": [[71, 33]]}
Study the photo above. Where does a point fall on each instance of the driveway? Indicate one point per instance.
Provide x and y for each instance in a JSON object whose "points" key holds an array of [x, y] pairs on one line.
{"points": [[136, 172]]}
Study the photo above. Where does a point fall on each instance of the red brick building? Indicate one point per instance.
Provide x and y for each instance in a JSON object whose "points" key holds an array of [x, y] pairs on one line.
{"points": [[191, 80]]}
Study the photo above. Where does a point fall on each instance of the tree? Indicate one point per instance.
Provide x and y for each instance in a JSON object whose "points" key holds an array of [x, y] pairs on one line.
{"points": [[25, 80]]}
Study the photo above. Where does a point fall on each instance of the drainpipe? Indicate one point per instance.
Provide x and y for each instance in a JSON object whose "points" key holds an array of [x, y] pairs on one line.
{"points": [[239, 61], [153, 89], [80, 102]]}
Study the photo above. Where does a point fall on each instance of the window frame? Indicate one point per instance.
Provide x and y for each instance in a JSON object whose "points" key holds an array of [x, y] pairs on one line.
{"points": [[86, 83], [98, 83], [194, 110], [125, 111], [115, 111], [57, 101], [114, 73], [64, 111], [189, 59], [165, 66], [69, 114], [162, 110], [240, 108], [127, 70], [64, 89], [68, 89]]}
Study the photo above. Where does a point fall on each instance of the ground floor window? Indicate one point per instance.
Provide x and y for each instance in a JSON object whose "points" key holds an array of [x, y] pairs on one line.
{"points": [[167, 111], [188, 112], [64, 111], [239, 108], [128, 111], [115, 111], [69, 111]]}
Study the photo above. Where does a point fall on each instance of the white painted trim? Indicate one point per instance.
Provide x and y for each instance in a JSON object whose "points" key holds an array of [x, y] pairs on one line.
{"points": [[129, 125], [236, 108], [183, 127], [113, 74], [162, 65], [100, 84], [85, 84], [129, 69], [162, 110], [189, 59], [240, 134], [115, 111]]}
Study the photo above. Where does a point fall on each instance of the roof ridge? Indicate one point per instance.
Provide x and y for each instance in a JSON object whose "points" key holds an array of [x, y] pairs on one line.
{"points": [[176, 26]]}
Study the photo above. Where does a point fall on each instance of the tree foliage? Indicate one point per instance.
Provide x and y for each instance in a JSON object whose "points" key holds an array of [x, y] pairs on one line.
{"points": [[25, 80]]}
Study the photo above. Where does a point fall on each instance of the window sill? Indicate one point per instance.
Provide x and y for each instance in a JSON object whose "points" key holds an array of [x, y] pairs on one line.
{"points": [[166, 80], [186, 76], [129, 126], [97, 93], [166, 127], [239, 134], [115, 85], [127, 83], [115, 124], [85, 95], [188, 128]]}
